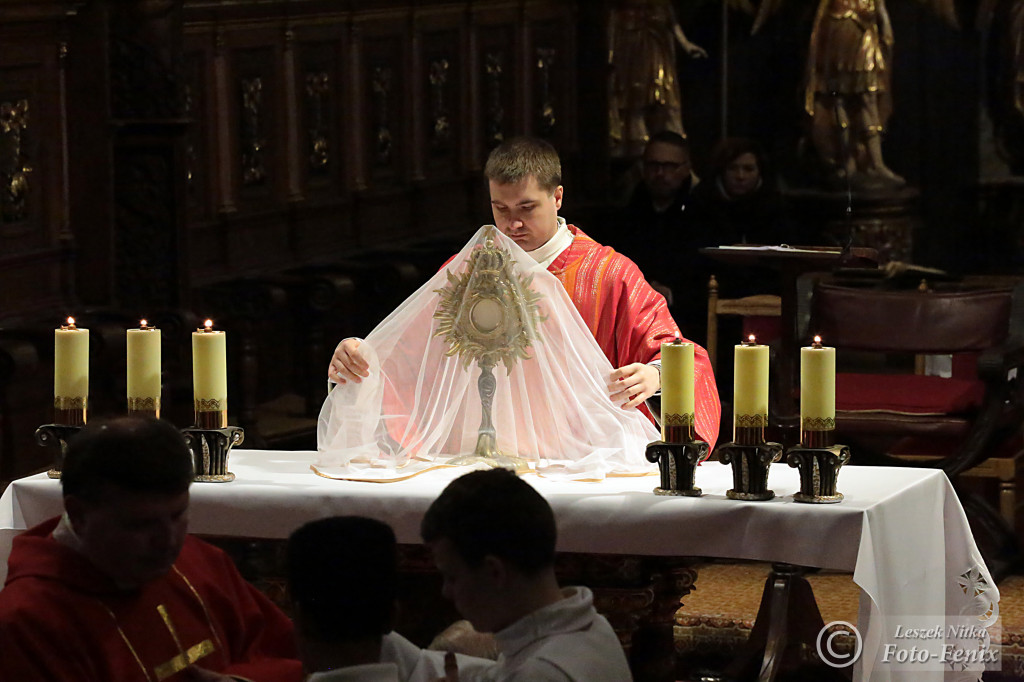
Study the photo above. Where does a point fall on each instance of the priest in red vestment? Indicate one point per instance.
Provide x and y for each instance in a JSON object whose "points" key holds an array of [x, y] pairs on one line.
{"points": [[629, 319], [116, 591]]}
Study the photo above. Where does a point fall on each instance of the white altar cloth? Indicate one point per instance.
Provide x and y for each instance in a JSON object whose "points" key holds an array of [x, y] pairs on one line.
{"points": [[901, 531]]}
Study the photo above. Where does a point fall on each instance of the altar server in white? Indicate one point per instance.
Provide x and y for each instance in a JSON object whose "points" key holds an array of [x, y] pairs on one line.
{"points": [[493, 540]]}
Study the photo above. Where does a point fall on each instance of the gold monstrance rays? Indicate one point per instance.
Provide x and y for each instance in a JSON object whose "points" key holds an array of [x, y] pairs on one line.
{"points": [[488, 315]]}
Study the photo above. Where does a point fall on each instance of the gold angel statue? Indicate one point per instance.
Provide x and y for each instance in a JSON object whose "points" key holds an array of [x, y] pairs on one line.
{"points": [[848, 85], [644, 90]]}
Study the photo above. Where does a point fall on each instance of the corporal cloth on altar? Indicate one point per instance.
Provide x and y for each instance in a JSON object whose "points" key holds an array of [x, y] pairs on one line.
{"points": [[421, 404]]}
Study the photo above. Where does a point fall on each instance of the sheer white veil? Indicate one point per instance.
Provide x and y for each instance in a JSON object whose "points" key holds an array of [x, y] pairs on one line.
{"points": [[421, 405]]}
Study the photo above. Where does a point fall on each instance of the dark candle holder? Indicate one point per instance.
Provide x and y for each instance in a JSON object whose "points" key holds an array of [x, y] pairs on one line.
{"points": [[819, 472], [677, 462], [750, 464], [56, 435], [210, 449]]}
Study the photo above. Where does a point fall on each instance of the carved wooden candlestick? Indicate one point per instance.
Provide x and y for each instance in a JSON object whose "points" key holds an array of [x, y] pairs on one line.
{"points": [[57, 435], [819, 472], [210, 449], [750, 465], [677, 457]]}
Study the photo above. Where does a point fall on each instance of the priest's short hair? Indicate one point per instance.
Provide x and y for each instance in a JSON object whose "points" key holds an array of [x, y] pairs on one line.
{"points": [[136, 454], [342, 575], [517, 159], [494, 513]]}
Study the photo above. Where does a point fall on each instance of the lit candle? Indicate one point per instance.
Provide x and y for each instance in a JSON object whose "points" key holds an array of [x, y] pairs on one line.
{"points": [[817, 394], [750, 392], [144, 370], [210, 377], [70, 373], [677, 392]]}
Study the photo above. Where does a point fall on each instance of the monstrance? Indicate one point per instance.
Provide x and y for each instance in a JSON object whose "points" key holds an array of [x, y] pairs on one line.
{"points": [[488, 315]]}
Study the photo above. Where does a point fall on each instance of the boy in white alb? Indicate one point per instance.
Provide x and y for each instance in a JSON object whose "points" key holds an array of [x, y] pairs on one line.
{"points": [[493, 540]]}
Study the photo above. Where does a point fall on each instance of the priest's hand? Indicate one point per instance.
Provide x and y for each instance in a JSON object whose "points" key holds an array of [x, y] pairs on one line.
{"points": [[348, 364], [633, 384]]}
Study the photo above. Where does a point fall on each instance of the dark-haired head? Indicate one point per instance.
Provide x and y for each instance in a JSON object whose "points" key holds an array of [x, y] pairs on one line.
{"points": [[494, 513], [669, 137], [342, 574], [126, 493], [729, 149], [519, 158], [739, 165], [136, 454]]}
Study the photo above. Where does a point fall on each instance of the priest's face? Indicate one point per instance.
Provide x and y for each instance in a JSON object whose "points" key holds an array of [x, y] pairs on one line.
{"points": [[476, 591], [526, 212], [132, 537]]}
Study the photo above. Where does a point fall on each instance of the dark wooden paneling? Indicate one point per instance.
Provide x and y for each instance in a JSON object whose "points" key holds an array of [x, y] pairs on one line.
{"points": [[199, 112], [32, 196], [497, 80], [551, 94], [384, 98], [321, 157], [257, 100]]}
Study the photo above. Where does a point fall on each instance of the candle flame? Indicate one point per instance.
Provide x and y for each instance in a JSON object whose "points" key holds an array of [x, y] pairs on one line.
{"points": [[817, 339], [143, 323], [71, 321], [752, 338], [208, 324]]}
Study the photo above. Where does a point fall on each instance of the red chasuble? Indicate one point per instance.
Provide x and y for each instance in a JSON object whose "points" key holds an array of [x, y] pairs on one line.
{"points": [[62, 620], [629, 319]]}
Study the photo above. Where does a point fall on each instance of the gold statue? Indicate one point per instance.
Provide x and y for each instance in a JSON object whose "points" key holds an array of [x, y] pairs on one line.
{"points": [[847, 91], [644, 90]]}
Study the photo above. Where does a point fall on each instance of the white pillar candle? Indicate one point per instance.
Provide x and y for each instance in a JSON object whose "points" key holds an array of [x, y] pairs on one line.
{"points": [[676, 387], [817, 387], [209, 370], [750, 384], [70, 367], [144, 366]]}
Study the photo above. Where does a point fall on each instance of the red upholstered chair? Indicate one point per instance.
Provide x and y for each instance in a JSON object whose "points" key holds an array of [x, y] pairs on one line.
{"points": [[969, 424]]}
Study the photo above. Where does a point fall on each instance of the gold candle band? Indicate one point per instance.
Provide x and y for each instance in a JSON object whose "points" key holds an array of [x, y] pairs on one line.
{"points": [[144, 407], [72, 417], [817, 438], [678, 428], [70, 411], [212, 419], [751, 432]]}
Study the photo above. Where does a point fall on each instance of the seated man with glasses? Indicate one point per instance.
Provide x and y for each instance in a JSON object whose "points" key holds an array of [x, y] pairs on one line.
{"points": [[655, 222]]}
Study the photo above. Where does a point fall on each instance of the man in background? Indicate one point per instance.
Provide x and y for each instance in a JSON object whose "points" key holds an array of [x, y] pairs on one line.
{"points": [[655, 218]]}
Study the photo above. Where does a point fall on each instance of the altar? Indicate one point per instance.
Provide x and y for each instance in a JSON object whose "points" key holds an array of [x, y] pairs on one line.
{"points": [[901, 531]]}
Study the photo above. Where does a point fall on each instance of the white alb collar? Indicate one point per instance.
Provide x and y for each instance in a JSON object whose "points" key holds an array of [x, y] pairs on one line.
{"points": [[546, 254]]}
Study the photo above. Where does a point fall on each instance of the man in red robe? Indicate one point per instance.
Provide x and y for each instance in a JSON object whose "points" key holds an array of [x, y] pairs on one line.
{"points": [[628, 318], [116, 591]]}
